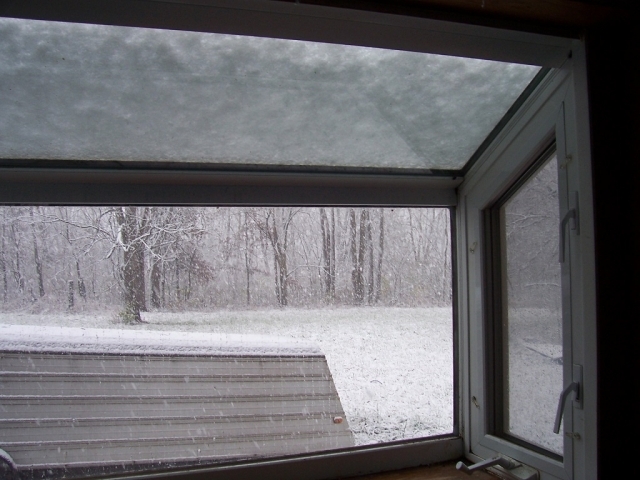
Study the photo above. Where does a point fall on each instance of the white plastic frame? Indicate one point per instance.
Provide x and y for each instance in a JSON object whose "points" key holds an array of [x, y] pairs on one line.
{"points": [[555, 112]]}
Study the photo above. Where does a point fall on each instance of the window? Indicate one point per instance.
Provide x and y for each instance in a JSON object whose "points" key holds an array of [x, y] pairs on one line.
{"points": [[150, 337], [470, 173], [530, 318], [528, 322]]}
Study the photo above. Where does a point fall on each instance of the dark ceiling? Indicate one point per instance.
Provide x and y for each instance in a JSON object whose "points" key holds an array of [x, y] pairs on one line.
{"points": [[560, 17]]}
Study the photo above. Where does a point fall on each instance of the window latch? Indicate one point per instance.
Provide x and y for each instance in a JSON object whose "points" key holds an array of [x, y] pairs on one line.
{"points": [[573, 216], [509, 468], [574, 387]]}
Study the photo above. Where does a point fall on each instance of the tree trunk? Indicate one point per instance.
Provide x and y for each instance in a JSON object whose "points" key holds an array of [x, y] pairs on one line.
{"points": [[380, 254], [3, 266], [133, 265], [17, 273], [190, 270], [415, 248], [133, 277], [326, 255], [164, 283], [361, 254], [332, 272], [36, 256], [353, 252], [357, 256], [177, 289], [156, 288], [275, 228], [280, 261], [70, 300], [247, 260], [138, 277], [446, 271], [82, 290], [369, 247]]}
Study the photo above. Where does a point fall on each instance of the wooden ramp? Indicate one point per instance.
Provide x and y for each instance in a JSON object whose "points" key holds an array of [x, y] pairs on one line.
{"points": [[102, 400]]}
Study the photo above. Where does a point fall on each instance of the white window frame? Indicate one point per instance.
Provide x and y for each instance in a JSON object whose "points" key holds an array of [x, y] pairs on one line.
{"points": [[42, 183], [555, 112]]}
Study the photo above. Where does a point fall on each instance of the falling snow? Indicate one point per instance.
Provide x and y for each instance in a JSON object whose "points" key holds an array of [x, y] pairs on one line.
{"points": [[392, 367]]}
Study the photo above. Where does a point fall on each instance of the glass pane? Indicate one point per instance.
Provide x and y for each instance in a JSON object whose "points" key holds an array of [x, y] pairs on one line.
{"points": [[90, 92], [143, 337], [532, 332]]}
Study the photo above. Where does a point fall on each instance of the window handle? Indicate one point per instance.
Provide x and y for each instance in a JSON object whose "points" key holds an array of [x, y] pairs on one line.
{"points": [[572, 214], [573, 387], [500, 461]]}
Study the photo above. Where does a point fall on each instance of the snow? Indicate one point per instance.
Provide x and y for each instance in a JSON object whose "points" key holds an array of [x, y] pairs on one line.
{"points": [[114, 93], [535, 376], [21, 338], [392, 367]]}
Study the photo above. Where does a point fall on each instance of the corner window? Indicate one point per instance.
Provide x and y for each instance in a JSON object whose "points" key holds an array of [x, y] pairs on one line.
{"points": [[139, 338], [530, 396], [248, 253]]}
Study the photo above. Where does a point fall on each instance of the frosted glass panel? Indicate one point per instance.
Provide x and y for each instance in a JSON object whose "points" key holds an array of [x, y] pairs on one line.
{"points": [[533, 327], [87, 92]]}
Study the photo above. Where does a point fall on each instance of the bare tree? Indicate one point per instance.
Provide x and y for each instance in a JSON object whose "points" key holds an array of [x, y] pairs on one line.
{"points": [[332, 248], [172, 254], [357, 249], [274, 224], [132, 225], [248, 240], [3, 260], [36, 256], [17, 271], [369, 248], [378, 288], [328, 231], [171, 238]]}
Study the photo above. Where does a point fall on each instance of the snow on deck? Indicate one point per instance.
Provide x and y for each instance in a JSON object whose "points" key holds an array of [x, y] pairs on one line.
{"points": [[26, 338]]}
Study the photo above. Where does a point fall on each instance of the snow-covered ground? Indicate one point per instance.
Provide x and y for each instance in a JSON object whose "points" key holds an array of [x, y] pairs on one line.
{"points": [[535, 375], [392, 367]]}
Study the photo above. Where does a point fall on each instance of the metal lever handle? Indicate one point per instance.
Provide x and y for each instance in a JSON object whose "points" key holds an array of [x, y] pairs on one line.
{"points": [[573, 387], [573, 216], [500, 461]]}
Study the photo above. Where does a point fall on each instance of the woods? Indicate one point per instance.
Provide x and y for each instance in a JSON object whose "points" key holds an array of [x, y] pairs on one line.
{"points": [[132, 259]]}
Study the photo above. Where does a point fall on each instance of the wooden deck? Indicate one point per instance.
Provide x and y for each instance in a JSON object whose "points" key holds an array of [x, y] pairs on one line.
{"points": [[76, 412]]}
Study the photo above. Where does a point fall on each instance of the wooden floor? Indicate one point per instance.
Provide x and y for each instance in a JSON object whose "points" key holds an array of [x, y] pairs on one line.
{"points": [[444, 471]]}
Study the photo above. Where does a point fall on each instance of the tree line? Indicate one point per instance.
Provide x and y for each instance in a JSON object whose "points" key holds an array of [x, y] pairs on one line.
{"points": [[142, 258]]}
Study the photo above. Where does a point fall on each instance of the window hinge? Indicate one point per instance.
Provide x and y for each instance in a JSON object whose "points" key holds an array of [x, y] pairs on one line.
{"points": [[567, 160]]}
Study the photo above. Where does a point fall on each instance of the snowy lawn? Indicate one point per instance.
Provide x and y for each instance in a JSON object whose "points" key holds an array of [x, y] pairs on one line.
{"points": [[535, 375], [393, 367]]}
